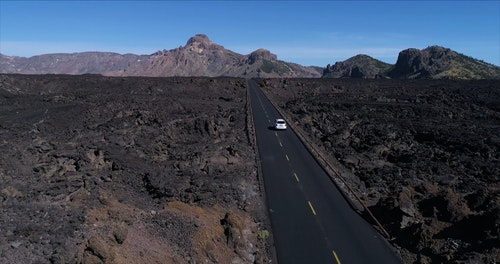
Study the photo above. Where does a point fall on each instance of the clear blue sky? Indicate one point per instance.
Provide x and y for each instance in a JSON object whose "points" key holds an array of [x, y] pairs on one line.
{"points": [[305, 32]]}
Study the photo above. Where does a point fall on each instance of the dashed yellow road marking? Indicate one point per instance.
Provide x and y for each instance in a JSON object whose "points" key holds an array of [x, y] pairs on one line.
{"points": [[296, 176], [287, 157], [281, 145], [336, 257], [312, 208]]}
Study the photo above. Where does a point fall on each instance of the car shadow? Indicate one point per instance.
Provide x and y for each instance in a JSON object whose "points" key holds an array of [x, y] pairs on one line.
{"points": [[274, 128]]}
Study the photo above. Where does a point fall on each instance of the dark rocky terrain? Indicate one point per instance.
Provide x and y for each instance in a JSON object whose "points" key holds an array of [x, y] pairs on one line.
{"points": [[198, 57], [433, 62], [423, 155], [128, 170], [101, 169]]}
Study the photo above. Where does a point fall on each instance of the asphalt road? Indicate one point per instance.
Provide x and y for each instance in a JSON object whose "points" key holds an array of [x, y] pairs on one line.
{"points": [[311, 220]]}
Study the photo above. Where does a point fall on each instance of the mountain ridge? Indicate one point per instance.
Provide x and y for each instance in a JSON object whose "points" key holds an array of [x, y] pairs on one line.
{"points": [[433, 62], [199, 57], [202, 57]]}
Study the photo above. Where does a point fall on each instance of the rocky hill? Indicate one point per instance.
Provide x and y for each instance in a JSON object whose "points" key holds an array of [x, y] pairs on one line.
{"points": [[434, 62], [359, 66], [441, 63], [199, 57]]}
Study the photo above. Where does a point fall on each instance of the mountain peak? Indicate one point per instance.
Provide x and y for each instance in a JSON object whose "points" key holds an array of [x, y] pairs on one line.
{"points": [[200, 43], [262, 54], [437, 48], [199, 38], [359, 66]]}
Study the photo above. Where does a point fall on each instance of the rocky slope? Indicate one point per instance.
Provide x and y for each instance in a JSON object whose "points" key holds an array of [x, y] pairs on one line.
{"points": [[128, 170], [434, 62], [199, 57], [424, 156], [441, 63]]}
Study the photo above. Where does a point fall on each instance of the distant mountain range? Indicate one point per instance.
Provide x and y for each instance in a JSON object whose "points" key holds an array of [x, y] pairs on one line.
{"points": [[199, 57], [202, 57]]}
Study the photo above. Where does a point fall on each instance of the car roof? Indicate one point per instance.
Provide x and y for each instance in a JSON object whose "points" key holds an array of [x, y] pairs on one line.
{"points": [[280, 119]]}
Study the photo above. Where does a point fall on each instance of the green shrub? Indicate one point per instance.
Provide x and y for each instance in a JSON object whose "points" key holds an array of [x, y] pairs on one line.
{"points": [[264, 235]]}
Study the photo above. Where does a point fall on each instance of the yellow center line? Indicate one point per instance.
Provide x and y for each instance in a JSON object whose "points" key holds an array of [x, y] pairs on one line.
{"points": [[336, 257], [287, 157], [296, 176], [280, 144], [312, 208]]}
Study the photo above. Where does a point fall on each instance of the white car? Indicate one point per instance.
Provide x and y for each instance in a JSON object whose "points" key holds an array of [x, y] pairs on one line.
{"points": [[280, 124]]}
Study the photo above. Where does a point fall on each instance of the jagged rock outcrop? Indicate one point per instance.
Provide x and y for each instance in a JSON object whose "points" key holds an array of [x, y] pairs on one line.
{"points": [[437, 62], [414, 63]]}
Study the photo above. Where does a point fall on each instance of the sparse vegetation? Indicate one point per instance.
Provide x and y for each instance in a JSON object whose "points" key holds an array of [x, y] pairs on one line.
{"points": [[264, 234], [270, 66]]}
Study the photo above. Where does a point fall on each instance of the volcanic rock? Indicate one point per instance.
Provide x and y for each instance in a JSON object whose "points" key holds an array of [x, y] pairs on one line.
{"points": [[128, 170], [422, 154]]}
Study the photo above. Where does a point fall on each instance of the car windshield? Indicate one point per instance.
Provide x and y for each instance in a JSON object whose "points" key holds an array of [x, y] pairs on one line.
{"points": [[280, 122]]}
